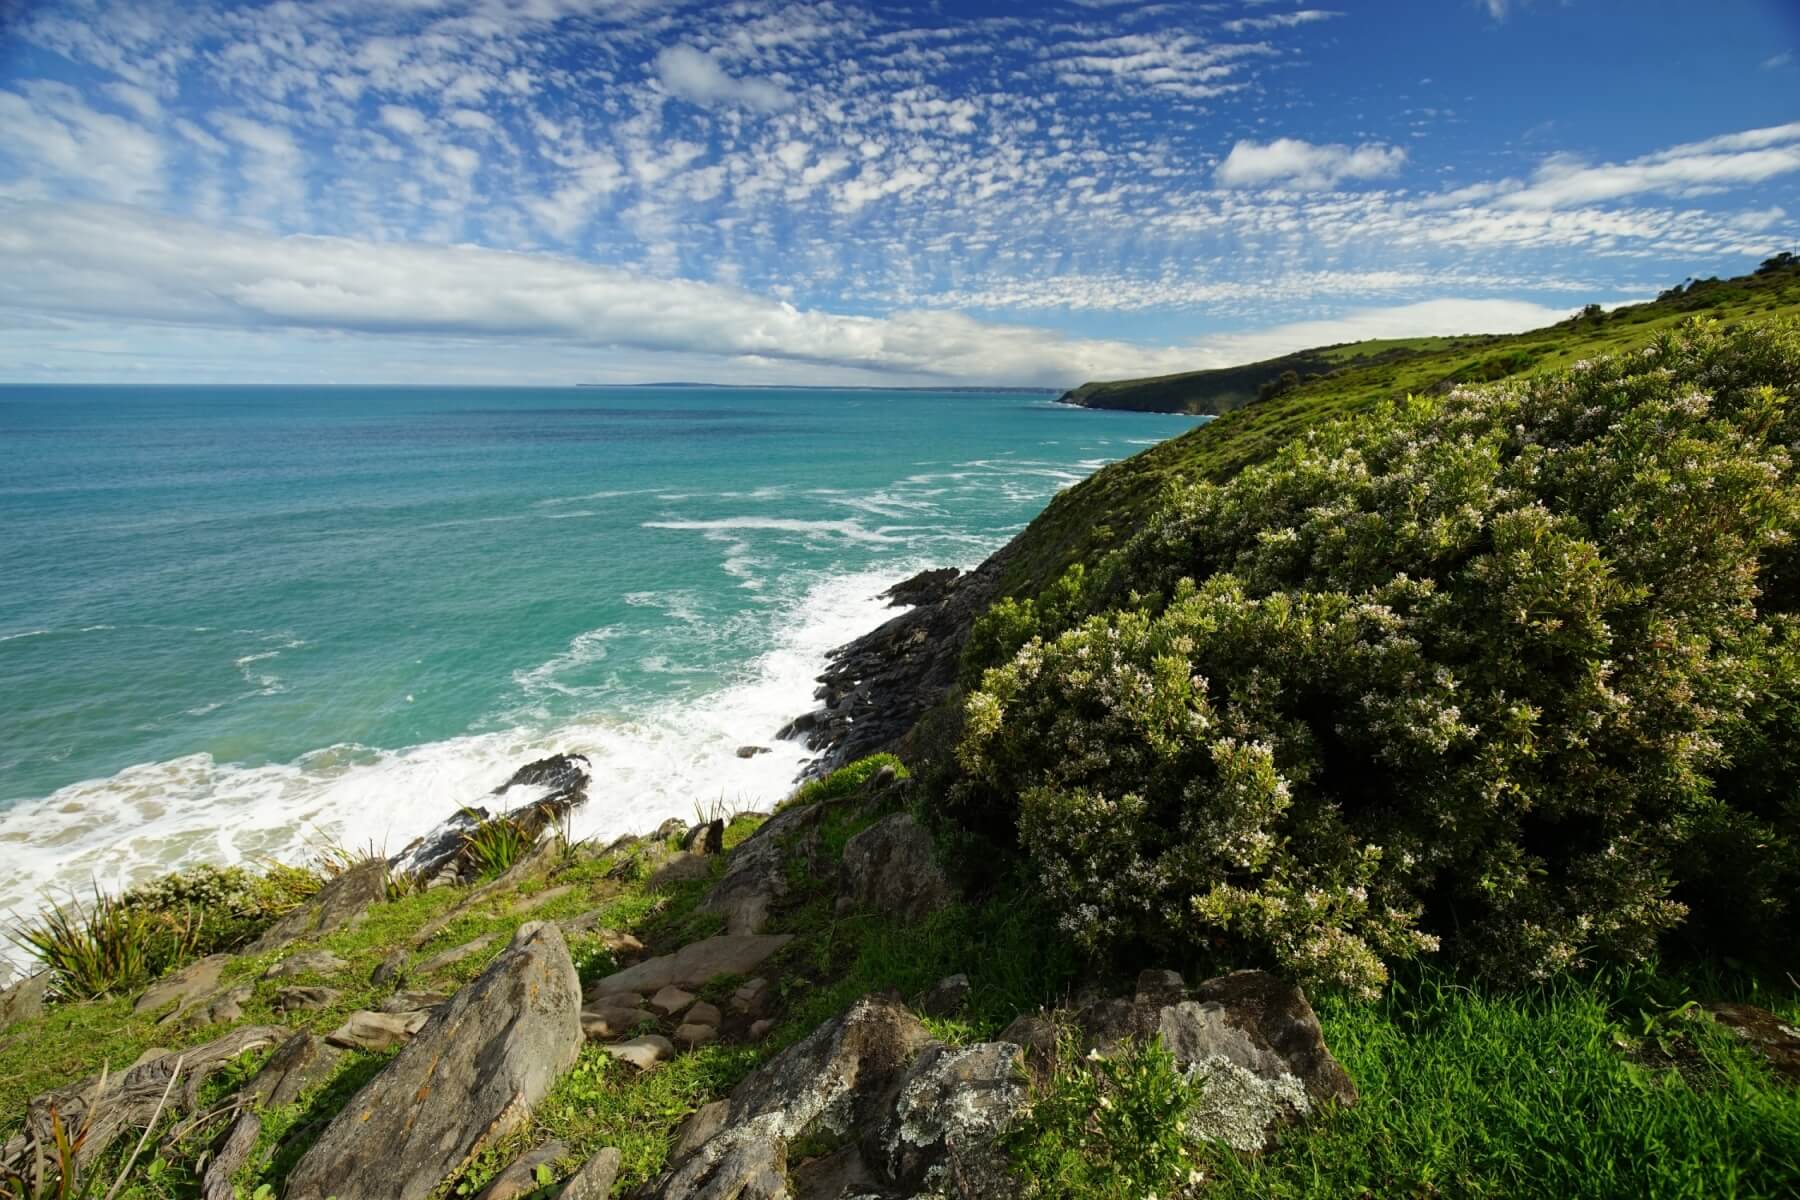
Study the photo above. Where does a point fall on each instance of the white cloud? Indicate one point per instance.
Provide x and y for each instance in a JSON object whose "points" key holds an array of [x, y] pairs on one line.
{"points": [[1447, 317], [124, 264], [1305, 16], [696, 76], [1564, 181], [52, 132], [1777, 61], [1294, 163]]}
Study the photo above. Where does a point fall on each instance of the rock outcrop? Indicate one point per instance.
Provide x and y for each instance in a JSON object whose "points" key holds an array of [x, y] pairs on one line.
{"points": [[441, 853], [877, 687], [890, 867], [338, 903], [24, 998], [872, 1080], [470, 1076]]}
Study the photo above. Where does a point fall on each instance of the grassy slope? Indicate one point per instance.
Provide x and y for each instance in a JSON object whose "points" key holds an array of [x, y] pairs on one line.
{"points": [[1095, 515]]}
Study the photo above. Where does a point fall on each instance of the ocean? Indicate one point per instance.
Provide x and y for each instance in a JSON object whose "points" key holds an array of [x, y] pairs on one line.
{"points": [[242, 622]]}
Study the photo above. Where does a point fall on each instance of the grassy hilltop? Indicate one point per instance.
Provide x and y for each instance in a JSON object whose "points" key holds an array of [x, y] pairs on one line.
{"points": [[1474, 709]]}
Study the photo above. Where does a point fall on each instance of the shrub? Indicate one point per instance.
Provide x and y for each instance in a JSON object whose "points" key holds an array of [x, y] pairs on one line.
{"points": [[1509, 664], [1105, 1128]]}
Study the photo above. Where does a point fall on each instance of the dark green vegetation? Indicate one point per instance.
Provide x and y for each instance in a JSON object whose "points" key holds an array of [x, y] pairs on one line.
{"points": [[1534, 646]]}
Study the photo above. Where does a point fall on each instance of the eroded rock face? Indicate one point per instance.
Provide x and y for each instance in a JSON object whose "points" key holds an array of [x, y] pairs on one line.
{"points": [[441, 851], [338, 903], [945, 1118], [889, 867], [872, 1077], [472, 1075], [1250, 1039], [756, 874]]}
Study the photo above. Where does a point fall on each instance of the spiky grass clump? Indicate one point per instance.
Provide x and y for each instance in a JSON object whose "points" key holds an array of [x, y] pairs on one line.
{"points": [[495, 845], [108, 946]]}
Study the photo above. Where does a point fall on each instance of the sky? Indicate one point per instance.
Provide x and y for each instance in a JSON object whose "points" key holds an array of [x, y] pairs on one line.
{"points": [[563, 191]]}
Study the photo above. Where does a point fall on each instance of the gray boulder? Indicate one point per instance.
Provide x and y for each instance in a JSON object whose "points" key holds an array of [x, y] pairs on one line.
{"points": [[24, 999], [943, 1120], [889, 867], [338, 903], [182, 987], [470, 1077], [593, 1180], [230, 1152], [695, 963], [520, 1178]]}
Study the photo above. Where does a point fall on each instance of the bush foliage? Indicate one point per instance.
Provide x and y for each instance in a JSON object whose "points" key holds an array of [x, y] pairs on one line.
{"points": [[1516, 664]]}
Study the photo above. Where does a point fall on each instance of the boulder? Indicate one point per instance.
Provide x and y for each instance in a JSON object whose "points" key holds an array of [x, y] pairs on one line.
{"points": [[24, 998], [442, 852], [889, 867], [305, 999], [182, 987], [125, 1102], [337, 904], [704, 1014], [470, 1077], [520, 1177], [696, 963], [705, 839], [942, 1122], [307, 962], [700, 1126], [377, 1031], [740, 1164], [752, 998], [692, 1035], [298, 1064], [593, 1180], [1773, 1038], [751, 751]]}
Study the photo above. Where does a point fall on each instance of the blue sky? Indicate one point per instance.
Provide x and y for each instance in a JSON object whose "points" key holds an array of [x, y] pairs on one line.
{"points": [[500, 191]]}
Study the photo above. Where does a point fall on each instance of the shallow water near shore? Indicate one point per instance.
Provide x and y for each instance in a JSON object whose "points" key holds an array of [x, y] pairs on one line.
{"points": [[239, 621]]}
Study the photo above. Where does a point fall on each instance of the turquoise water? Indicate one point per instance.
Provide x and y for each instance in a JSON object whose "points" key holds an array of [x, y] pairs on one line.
{"points": [[235, 621]]}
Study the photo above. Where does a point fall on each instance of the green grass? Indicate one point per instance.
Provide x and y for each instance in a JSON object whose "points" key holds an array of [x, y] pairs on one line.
{"points": [[1601, 1087]]}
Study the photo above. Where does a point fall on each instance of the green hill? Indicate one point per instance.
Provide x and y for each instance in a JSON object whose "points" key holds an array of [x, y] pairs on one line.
{"points": [[1425, 361]]}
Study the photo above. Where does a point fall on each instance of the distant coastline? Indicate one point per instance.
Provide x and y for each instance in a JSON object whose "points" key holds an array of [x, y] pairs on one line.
{"points": [[848, 387]]}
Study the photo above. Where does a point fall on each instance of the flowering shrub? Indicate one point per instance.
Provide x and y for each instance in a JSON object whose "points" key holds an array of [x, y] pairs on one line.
{"points": [[1512, 663]]}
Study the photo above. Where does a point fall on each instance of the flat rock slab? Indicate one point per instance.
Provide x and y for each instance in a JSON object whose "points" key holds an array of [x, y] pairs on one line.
{"points": [[547, 896], [305, 999], [1775, 1039], [307, 962], [413, 1001], [696, 963], [182, 987], [377, 1031], [338, 903], [456, 954], [643, 1052], [471, 1077], [692, 1036], [220, 1008]]}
